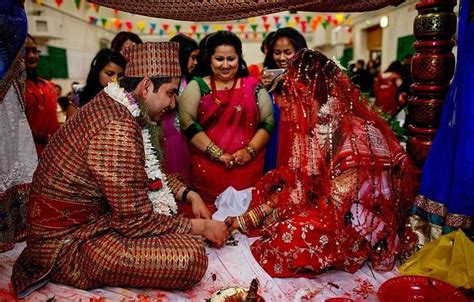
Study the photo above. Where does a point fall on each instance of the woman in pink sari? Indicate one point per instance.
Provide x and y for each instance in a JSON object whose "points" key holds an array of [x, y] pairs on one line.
{"points": [[228, 118]]}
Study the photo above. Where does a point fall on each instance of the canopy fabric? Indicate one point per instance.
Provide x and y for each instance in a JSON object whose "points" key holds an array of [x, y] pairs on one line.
{"points": [[223, 10]]}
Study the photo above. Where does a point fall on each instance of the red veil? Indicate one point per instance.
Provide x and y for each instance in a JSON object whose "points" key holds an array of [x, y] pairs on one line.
{"points": [[342, 174]]}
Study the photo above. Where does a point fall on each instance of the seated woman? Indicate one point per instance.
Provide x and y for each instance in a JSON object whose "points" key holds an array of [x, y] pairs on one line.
{"points": [[347, 186], [228, 118]]}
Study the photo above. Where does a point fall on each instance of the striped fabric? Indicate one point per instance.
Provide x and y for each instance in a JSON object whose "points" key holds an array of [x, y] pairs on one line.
{"points": [[96, 161]]}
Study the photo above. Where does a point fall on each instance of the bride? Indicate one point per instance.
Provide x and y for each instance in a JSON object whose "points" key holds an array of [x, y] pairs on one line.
{"points": [[346, 183]]}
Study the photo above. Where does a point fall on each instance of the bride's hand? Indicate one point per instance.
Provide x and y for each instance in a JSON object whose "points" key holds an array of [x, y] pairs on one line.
{"points": [[231, 223]]}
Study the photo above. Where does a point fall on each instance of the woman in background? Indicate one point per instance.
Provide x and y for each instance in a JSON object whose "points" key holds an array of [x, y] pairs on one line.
{"points": [[284, 45], [124, 39], [386, 88], [177, 157], [255, 70], [107, 66], [228, 119]]}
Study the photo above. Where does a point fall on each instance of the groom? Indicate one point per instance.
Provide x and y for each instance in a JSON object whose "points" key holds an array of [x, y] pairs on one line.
{"points": [[99, 210]]}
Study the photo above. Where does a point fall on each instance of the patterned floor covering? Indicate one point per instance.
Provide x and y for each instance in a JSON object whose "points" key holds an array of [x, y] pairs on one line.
{"points": [[229, 266]]}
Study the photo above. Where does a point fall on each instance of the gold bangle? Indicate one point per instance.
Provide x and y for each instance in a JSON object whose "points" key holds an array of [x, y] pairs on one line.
{"points": [[213, 151], [276, 217], [241, 224], [251, 150]]}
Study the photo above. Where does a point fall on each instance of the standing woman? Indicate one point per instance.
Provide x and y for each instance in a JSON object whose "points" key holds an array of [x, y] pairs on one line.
{"points": [[283, 46], [228, 118], [107, 66], [177, 157]]}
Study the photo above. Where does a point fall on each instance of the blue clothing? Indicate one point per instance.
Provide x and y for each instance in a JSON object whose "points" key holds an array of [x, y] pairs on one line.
{"points": [[448, 173], [13, 29], [271, 152]]}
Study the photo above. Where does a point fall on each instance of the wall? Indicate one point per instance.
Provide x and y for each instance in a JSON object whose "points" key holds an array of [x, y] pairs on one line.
{"points": [[400, 24]]}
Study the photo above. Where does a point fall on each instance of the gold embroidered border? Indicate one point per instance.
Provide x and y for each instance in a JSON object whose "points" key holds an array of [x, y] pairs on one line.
{"points": [[459, 221], [431, 206]]}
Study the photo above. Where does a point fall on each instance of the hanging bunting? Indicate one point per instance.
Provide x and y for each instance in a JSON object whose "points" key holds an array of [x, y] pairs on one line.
{"points": [[335, 22], [246, 35], [198, 36], [339, 18], [78, 3], [171, 33], [152, 26], [165, 26], [58, 3], [276, 18], [287, 18], [278, 25], [329, 18], [91, 19], [141, 26], [107, 24], [266, 26], [104, 21], [217, 27], [264, 19], [308, 19], [325, 24], [177, 27], [255, 35], [318, 18], [118, 24], [254, 27], [297, 19], [303, 26], [95, 7], [230, 27], [252, 20], [205, 27], [190, 35], [292, 23], [314, 24], [349, 19], [116, 11], [242, 27], [161, 32], [194, 28], [264, 35], [129, 25]]}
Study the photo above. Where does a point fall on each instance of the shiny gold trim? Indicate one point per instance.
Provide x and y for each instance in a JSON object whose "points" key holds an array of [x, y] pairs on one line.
{"points": [[431, 206], [459, 221]]}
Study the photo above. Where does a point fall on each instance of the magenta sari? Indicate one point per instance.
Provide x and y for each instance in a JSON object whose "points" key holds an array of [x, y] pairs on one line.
{"points": [[231, 126]]}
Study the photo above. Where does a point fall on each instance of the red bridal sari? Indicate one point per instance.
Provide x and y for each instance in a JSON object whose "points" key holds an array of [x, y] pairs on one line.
{"points": [[343, 184], [230, 125]]}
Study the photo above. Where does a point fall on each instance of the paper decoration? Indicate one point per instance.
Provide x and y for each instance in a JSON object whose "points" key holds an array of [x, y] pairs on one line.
{"points": [[198, 36], [276, 18], [152, 25], [230, 27], [287, 18], [205, 27], [39, 2], [266, 26], [254, 27], [141, 26], [292, 23], [165, 26], [325, 24], [194, 28], [161, 32], [217, 27], [252, 20], [264, 19], [177, 27], [58, 3], [78, 3], [303, 26], [297, 19], [117, 23], [95, 7], [242, 27], [339, 18], [104, 21], [308, 19], [278, 25], [129, 25]]}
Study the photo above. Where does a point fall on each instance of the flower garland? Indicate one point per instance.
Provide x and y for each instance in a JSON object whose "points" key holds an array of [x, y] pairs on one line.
{"points": [[158, 190]]}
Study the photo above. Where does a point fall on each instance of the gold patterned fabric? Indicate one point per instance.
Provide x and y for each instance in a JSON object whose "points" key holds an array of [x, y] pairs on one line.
{"points": [[91, 221]]}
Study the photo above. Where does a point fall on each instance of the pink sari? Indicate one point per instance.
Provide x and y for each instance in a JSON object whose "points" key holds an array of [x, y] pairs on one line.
{"points": [[231, 126]]}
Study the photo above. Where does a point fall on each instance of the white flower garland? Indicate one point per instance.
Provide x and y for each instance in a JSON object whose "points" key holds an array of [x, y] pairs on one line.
{"points": [[162, 199]]}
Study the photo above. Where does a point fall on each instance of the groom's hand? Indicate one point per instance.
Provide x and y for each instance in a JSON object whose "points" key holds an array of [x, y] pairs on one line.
{"points": [[198, 206]]}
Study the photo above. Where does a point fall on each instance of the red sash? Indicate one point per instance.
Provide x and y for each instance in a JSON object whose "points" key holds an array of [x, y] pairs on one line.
{"points": [[59, 214]]}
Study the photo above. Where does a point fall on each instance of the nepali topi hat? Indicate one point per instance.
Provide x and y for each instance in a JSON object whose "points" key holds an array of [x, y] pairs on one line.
{"points": [[154, 60]]}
